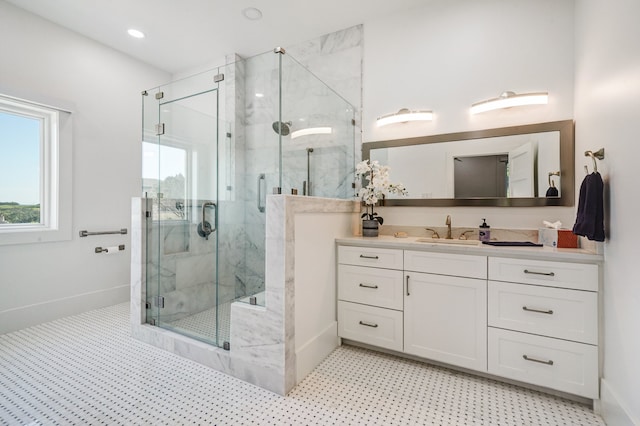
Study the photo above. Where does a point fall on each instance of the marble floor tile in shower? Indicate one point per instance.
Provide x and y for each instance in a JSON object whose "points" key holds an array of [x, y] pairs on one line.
{"points": [[87, 370]]}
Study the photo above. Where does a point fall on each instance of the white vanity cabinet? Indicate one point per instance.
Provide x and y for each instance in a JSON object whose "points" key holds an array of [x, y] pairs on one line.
{"points": [[370, 296], [534, 320], [432, 305], [543, 323], [445, 312]]}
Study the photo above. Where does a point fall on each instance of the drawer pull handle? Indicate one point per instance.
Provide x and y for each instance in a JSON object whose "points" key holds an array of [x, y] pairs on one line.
{"points": [[368, 285], [408, 286], [550, 362], [368, 257], [548, 274], [550, 312], [369, 324]]}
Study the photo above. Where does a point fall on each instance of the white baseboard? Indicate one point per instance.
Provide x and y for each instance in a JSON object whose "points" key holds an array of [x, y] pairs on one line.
{"points": [[612, 410], [30, 315], [314, 351]]}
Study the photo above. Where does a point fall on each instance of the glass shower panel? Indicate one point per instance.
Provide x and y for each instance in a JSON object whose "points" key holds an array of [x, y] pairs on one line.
{"points": [[318, 154], [180, 181], [252, 103]]}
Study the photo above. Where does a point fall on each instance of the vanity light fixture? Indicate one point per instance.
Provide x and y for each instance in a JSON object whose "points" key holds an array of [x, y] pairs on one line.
{"points": [[510, 99], [311, 131], [403, 116], [135, 33]]}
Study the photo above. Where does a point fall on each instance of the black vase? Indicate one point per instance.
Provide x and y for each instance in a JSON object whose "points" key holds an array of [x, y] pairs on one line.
{"points": [[370, 228]]}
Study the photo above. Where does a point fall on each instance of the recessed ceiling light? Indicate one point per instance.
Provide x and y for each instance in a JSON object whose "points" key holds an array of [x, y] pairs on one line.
{"points": [[252, 13], [259, 95], [135, 33]]}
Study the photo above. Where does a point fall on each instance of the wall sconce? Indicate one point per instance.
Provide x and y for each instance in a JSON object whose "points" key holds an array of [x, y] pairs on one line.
{"points": [[510, 99], [311, 131], [403, 116]]}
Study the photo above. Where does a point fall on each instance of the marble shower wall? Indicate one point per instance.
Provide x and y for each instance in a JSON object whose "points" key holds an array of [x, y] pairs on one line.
{"points": [[306, 102]]}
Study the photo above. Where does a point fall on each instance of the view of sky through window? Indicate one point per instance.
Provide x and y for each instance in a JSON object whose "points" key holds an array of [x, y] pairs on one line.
{"points": [[19, 158]]}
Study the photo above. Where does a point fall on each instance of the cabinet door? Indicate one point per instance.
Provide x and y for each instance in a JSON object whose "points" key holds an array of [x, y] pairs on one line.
{"points": [[577, 276], [370, 256], [369, 324], [445, 319], [370, 286], [546, 311], [557, 364]]}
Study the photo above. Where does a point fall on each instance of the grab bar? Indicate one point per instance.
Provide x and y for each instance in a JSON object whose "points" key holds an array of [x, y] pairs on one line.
{"points": [[261, 177], [123, 231]]}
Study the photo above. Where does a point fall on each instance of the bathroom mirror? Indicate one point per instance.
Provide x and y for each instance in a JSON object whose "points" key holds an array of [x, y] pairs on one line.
{"points": [[520, 166]]}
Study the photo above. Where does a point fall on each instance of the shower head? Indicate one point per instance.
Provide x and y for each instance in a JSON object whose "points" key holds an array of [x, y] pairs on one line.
{"points": [[282, 128]]}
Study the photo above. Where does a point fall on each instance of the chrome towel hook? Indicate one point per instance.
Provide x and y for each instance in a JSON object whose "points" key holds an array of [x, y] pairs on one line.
{"points": [[599, 154]]}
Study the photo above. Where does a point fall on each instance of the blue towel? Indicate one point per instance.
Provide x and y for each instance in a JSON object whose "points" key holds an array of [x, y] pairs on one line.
{"points": [[590, 217]]}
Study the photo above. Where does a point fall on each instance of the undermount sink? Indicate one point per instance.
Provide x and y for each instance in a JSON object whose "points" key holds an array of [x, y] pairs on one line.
{"points": [[446, 241]]}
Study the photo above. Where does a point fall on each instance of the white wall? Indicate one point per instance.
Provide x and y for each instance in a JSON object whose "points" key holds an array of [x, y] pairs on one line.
{"points": [[607, 107], [447, 55], [39, 282], [316, 328]]}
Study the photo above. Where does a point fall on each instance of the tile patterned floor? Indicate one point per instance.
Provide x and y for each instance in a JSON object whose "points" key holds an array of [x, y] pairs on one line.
{"points": [[86, 370]]}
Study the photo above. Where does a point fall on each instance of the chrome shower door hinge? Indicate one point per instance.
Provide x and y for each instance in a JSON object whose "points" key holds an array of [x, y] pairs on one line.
{"points": [[159, 95], [158, 301], [159, 129], [218, 78]]}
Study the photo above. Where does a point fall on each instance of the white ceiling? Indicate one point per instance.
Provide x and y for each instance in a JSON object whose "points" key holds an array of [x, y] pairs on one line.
{"points": [[184, 34]]}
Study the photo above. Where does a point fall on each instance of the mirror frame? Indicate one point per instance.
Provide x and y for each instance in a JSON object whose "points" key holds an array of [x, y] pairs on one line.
{"points": [[567, 166]]}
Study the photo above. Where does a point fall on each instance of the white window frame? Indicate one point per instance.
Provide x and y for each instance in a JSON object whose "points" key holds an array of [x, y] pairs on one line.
{"points": [[55, 166]]}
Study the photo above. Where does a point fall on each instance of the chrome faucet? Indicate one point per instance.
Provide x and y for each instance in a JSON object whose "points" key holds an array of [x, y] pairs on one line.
{"points": [[448, 223]]}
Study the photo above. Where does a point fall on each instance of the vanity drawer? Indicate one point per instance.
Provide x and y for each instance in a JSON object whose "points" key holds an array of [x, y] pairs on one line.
{"points": [[377, 257], [367, 324], [460, 265], [557, 364], [554, 312], [577, 276], [371, 286]]}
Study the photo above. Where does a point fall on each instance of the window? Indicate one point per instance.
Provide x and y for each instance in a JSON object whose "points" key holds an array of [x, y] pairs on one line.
{"points": [[35, 172]]}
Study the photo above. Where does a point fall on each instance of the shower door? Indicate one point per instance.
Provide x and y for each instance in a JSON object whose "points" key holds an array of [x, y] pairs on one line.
{"points": [[183, 245]]}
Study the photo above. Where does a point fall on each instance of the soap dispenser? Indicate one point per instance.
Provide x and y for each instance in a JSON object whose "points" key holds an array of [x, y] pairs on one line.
{"points": [[484, 233]]}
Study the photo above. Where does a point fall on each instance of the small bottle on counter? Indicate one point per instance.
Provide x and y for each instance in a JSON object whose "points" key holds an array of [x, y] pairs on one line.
{"points": [[484, 232]]}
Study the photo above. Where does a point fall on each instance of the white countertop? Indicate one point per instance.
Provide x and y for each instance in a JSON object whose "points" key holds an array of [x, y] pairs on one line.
{"points": [[411, 243]]}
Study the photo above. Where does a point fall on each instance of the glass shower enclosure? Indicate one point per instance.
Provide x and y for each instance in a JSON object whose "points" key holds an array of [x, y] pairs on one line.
{"points": [[214, 145]]}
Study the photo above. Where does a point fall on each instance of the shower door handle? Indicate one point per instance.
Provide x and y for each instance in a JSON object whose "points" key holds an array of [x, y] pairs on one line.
{"points": [[261, 177], [210, 229], [204, 227]]}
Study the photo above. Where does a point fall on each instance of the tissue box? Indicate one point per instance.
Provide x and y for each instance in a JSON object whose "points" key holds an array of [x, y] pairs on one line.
{"points": [[548, 237], [567, 239]]}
